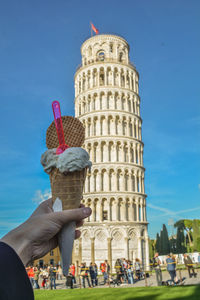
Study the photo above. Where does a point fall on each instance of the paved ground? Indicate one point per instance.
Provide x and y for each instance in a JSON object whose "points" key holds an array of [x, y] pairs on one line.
{"points": [[151, 281]]}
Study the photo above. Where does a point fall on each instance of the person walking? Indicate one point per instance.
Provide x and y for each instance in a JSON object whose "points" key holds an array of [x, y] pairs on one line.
{"points": [[118, 269], [92, 274], [137, 268], [125, 267], [36, 277], [171, 268], [31, 275], [96, 273], [84, 274], [72, 271], [44, 275], [130, 273], [157, 268], [105, 269], [189, 265], [52, 277]]}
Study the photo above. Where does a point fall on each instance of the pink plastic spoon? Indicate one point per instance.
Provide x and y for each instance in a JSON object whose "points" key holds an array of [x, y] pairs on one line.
{"points": [[59, 127]]}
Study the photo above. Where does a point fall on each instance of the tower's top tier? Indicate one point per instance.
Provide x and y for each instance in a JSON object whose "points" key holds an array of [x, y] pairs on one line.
{"points": [[105, 47]]}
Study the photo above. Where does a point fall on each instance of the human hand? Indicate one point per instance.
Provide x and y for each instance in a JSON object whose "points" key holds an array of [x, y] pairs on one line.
{"points": [[39, 234]]}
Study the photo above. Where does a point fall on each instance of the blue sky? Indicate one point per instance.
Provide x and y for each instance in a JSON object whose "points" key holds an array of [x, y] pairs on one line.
{"points": [[39, 53]]}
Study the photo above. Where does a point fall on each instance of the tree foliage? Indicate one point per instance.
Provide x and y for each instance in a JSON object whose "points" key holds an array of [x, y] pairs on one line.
{"points": [[162, 241], [186, 224], [180, 241], [196, 234], [152, 248]]}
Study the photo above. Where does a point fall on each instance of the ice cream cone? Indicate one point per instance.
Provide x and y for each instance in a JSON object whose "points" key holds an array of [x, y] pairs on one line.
{"points": [[68, 187]]}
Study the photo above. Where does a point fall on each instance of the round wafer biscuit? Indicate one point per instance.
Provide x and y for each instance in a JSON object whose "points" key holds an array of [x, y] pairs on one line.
{"points": [[74, 133]]}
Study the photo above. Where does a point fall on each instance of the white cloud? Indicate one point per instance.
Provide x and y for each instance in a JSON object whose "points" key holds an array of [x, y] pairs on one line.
{"points": [[171, 213], [165, 210], [41, 196]]}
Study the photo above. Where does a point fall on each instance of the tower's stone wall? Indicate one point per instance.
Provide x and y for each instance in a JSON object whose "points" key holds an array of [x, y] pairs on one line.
{"points": [[108, 104]]}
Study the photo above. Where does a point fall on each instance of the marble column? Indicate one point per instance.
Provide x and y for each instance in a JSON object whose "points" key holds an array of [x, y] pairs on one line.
{"points": [[92, 250], [93, 211], [126, 250], [80, 250], [135, 181], [109, 252], [145, 213], [123, 210], [132, 211], [98, 183], [131, 82], [108, 209], [134, 151], [106, 77], [139, 154], [98, 211], [139, 248], [137, 211], [112, 74]]}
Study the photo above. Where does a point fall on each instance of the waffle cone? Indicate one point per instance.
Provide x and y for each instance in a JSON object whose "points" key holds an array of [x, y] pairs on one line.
{"points": [[74, 133], [68, 187]]}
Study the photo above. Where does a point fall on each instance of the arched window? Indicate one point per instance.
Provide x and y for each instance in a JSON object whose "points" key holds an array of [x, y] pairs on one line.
{"points": [[140, 213], [101, 55], [89, 184], [121, 56], [133, 182], [126, 181], [95, 182], [111, 47], [95, 153]]}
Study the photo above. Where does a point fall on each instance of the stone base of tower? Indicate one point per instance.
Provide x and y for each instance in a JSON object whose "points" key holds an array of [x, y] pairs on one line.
{"points": [[102, 241]]}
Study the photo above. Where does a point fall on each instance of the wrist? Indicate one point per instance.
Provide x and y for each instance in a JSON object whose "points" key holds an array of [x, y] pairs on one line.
{"points": [[19, 245]]}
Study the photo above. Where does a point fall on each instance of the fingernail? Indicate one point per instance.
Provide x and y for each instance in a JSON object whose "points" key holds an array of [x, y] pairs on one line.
{"points": [[87, 211]]}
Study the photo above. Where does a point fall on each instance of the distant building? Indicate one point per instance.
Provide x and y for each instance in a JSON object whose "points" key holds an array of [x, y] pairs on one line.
{"points": [[53, 257]]}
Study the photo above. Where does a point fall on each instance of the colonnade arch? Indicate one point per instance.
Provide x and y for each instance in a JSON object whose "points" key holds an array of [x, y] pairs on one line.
{"points": [[114, 125], [115, 151], [116, 208], [115, 179], [106, 75], [107, 99]]}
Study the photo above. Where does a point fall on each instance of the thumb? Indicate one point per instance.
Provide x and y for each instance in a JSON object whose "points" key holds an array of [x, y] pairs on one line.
{"points": [[65, 216]]}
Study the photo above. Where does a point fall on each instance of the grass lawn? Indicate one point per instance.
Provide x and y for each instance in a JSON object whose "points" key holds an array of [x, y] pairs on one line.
{"points": [[146, 293]]}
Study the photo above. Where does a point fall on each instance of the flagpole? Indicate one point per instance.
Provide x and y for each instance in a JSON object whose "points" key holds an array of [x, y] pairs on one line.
{"points": [[91, 29]]}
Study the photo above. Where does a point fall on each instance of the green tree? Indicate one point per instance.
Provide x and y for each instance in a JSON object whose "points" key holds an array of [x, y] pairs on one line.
{"points": [[157, 245], [186, 224], [161, 242], [152, 248], [172, 244], [180, 240], [166, 246], [196, 234], [165, 240]]}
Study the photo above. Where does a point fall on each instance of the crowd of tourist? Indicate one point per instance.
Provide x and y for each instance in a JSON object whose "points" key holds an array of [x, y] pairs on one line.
{"points": [[126, 272], [93, 275]]}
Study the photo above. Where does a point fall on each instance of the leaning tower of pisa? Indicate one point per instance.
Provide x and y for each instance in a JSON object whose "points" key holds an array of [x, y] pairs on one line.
{"points": [[107, 102]]}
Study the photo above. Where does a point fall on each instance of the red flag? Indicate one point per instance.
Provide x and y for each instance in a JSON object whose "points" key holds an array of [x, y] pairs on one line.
{"points": [[94, 29]]}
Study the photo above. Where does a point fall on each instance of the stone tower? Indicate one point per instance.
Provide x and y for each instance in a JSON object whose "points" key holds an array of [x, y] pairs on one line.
{"points": [[107, 102]]}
